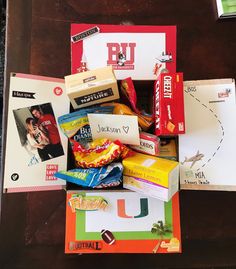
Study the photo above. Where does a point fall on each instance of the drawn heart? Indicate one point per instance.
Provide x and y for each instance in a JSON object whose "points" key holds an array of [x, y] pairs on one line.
{"points": [[126, 129]]}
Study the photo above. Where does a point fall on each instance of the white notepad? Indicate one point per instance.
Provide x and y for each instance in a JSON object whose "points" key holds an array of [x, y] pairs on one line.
{"points": [[207, 150]]}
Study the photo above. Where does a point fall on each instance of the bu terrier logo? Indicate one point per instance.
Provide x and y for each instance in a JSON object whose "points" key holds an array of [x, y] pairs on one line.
{"points": [[126, 50]]}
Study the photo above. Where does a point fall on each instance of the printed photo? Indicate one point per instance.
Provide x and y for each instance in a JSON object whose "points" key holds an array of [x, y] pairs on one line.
{"points": [[38, 132]]}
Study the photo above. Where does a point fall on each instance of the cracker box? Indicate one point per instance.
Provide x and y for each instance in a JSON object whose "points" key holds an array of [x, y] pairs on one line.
{"points": [[92, 87], [152, 176], [169, 104]]}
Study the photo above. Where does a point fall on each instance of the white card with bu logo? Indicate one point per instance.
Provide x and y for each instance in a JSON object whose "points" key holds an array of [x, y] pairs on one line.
{"points": [[121, 127], [140, 52]]}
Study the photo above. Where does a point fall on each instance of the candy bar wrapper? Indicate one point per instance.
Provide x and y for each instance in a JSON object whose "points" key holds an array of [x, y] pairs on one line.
{"points": [[169, 104], [100, 152], [129, 92], [75, 125], [106, 176], [149, 144]]}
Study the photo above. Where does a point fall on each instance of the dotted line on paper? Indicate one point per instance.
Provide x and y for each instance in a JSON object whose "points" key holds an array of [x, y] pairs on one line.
{"points": [[222, 128]]}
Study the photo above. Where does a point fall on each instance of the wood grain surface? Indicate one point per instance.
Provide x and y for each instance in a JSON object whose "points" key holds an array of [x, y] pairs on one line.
{"points": [[38, 42]]}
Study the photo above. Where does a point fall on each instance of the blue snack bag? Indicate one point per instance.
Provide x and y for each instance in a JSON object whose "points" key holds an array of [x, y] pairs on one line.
{"points": [[76, 126], [106, 176]]}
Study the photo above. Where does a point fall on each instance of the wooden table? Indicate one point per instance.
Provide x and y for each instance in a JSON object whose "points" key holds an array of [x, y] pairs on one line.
{"points": [[32, 225]]}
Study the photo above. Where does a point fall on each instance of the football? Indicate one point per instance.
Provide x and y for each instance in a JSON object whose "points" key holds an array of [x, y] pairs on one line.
{"points": [[107, 237]]}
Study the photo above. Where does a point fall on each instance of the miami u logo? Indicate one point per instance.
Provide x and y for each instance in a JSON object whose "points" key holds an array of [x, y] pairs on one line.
{"points": [[143, 208]]}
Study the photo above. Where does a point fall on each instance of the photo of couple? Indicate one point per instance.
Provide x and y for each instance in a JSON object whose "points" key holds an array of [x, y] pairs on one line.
{"points": [[38, 132]]}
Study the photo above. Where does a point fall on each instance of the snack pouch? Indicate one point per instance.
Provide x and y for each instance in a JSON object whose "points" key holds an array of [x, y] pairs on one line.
{"points": [[129, 93], [106, 176], [128, 90], [75, 125], [98, 153]]}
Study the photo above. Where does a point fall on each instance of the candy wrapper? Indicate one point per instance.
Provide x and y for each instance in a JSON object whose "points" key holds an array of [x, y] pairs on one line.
{"points": [[106, 176], [75, 125], [144, 122], [128, 91], [100, 152]]}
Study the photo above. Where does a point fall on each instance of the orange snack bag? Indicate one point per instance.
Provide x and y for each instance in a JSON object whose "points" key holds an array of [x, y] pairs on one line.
{"points": [[144, 122], [100, 152]]}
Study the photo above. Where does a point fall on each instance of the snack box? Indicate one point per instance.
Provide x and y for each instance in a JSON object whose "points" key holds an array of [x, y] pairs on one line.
{"points": [[168, 149], [149, 144], [169, 104], [152, 176], [92, 87]]}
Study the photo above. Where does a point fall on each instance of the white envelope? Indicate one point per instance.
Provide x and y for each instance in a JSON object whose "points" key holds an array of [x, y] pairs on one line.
{"points": [[121, 127]]}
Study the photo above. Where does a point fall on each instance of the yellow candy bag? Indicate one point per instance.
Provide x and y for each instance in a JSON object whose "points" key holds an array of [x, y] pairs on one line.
{"points": [[100, 152]]}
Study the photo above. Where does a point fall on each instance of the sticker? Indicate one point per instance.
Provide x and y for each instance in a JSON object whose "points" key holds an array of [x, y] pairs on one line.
{"points": [[107, 237], [21, 94], [148, 162], [14, 177], [51, 169], [88, 203], [165, 57], [189, 173], [88, 33], [172, 246], [121, 59], [95, 245], [224, 93], [58, 91]]}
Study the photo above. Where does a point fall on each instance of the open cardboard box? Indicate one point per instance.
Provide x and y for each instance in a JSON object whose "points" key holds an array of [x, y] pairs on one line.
{"points": [[130, 217]]}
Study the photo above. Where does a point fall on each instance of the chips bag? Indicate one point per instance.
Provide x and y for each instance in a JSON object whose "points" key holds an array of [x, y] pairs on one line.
{"points": [[106, 176], [76, 126], [98, 153]]}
